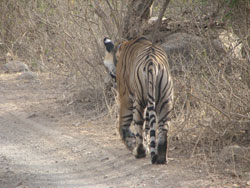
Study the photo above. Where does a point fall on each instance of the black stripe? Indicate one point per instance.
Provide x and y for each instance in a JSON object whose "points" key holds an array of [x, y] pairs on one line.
{"points": [[159, 90], [139, 39], [138, 135], [152, 144], [165, 117], [152, 133], [168, 87], [152, 50], [126, 125], [150, 64], [140, 123], [151, 97], [141, 102], [139, 112], [150, 103], [127, 116], [131, 108], [128, 121], [163, 104], [152, 116], [147, 57], [150, 108]]}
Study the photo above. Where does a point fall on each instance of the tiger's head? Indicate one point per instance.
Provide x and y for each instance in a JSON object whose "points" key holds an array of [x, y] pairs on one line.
{"points": [[112, 55]]}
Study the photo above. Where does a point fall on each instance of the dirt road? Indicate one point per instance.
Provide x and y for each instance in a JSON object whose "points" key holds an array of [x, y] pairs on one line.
{"points": [[41, 146]]}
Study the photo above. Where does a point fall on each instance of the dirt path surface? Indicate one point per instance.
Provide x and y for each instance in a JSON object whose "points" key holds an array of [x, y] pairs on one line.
{"points": [[40, 146]]}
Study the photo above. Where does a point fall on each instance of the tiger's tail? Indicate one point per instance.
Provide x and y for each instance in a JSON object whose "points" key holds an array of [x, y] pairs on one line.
{"points": [[152, 72]]}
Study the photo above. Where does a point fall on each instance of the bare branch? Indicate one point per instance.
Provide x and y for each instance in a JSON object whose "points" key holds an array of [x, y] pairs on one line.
{"points": [[113, 14], [158, 23], [219, 110]]}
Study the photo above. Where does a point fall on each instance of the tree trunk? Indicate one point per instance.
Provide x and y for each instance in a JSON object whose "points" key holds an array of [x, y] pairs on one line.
{"points": [[138, 13]]}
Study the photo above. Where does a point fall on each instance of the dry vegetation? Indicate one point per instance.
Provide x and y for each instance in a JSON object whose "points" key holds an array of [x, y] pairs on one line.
{"points": [[211, 118]]}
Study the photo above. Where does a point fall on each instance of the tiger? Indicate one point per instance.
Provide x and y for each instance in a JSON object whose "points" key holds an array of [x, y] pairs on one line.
{"points": [[144, 83]]}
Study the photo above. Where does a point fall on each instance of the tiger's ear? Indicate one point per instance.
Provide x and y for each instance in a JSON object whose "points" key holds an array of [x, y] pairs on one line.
{"points": [[108, 44]]}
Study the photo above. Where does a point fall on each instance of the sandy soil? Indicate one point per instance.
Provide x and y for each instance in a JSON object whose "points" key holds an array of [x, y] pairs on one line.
{"points": [[43, 144]]}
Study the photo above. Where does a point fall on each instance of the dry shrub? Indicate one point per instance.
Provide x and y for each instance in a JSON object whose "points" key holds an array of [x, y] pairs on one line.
{"points": [[63, 37], [212, 106], [212, 95]]}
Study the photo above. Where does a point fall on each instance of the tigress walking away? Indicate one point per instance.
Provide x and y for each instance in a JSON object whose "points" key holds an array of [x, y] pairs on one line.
{"points": [[143, 82]]}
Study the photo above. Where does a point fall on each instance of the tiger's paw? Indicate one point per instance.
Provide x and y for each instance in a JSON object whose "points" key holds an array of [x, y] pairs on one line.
{"points": [[130, 143], [154, 158], [161, 151], [161, 160], [139, 151]]}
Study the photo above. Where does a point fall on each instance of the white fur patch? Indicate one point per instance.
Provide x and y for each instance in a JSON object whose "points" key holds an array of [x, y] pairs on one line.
{"points": [[107, 41], [110, 65]]}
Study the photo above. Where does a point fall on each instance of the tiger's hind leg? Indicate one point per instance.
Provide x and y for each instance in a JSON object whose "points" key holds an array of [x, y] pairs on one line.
{"points": [[125, 120], [162, 141], [139, 151]]}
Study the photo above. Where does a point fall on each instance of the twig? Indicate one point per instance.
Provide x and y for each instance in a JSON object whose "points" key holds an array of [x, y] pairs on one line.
{"points": [[196, 143], [113, 15], [103, 17], [99, 49], [226, 115]]}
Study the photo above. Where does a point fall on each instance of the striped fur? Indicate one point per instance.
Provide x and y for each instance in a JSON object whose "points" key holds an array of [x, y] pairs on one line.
{"points": [[144, 83]]}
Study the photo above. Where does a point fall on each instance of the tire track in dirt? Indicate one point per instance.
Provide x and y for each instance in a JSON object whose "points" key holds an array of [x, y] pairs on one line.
{"points": [[36, 151]]}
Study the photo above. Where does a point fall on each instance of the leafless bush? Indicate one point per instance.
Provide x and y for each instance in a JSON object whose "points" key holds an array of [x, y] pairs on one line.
{"points": [[212, 110]]}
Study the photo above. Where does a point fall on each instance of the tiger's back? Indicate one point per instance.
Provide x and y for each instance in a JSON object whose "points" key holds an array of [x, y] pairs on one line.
{"points": [[132, 67]]}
